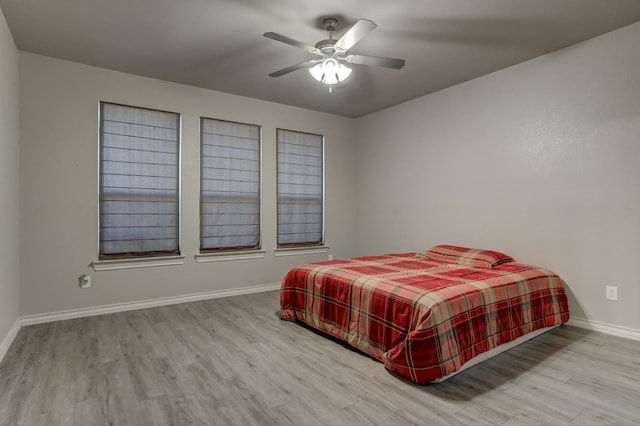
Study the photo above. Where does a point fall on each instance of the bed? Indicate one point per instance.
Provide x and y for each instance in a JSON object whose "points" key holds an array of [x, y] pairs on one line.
{"points": [[426, 315]]}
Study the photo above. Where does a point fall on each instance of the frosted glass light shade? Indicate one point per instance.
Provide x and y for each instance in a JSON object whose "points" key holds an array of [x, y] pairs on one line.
{"points": [[330, 71]]}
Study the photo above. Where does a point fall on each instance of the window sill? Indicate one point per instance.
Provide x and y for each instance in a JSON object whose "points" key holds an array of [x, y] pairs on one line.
{"points": [[227, 256], [299, 251], [147, 262]]}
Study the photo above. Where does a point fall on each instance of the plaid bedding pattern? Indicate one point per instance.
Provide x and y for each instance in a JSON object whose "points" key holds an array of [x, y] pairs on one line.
{"points": [[422, 318]]}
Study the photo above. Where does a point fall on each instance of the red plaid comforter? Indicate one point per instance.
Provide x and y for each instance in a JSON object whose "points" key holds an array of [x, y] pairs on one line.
{"points": [[423, 318]]}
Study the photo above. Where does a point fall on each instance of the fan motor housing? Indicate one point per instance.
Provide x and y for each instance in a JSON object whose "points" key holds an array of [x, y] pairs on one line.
{"points": [[329, 49], [323, 44]]}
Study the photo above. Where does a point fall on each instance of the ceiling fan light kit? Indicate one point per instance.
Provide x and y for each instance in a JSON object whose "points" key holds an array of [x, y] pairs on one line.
{"points": [[331, 55], [330, 72]]}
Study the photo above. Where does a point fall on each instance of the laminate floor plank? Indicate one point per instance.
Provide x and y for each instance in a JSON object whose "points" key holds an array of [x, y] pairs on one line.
{"points": [[245, 411], [8, 385], [590, 419], [170, 377], [309, 384], [122, 406], [91, 412], [144, 339], [41, 338], [178, 347], [523, 410], [582, 399], [197, 378], [59, 417], [620, 365], [57, 398], [615, 390], [477, 414], [106, 330], [208, 410], [273, 386], [413, 399], [371, 411], [90, 379], [146, 382], [167, 411], [307, 413], [27, 395], [62, 367], [525, 365], [232, 361], [351, 365]]}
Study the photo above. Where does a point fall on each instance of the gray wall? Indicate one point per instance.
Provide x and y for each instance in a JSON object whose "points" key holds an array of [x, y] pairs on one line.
{"points": [[9, 182], [59, 146], [540, 160]]}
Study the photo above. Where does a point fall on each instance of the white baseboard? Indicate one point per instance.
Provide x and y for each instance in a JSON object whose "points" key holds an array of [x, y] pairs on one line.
{"points": [[143, 304], [8, 339], [614, 330]]}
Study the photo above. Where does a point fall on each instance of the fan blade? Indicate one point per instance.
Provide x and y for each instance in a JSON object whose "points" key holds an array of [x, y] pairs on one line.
{"points": [[376, 61], [356, 33], [290, 41], [287, 70]]}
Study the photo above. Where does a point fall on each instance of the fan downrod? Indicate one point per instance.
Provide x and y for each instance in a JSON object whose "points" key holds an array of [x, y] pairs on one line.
{"points": [[330, 26]]}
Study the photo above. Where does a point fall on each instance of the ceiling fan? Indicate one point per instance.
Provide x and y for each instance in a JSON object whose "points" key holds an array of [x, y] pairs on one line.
{"points": [[331, 55]]}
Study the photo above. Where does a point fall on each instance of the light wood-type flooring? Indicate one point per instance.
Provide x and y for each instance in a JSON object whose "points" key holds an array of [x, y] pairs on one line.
{"points": [[232, 361]]}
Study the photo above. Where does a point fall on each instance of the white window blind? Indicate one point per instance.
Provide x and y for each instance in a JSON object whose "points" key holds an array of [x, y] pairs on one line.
{"points": [[230, 185], [139, 181], [300, 188]]}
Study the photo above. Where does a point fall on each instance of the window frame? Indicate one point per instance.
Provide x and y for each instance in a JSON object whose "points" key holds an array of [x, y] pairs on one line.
{"points": [[300, 247], [149, 258]]}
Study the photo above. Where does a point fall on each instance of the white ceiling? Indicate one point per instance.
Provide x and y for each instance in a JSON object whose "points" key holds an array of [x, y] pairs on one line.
{"points": [[218, 44]]}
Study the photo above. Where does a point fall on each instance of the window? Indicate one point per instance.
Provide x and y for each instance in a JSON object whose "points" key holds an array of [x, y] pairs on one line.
{"points": [[229, 186], [139, 181], [300, 188]]}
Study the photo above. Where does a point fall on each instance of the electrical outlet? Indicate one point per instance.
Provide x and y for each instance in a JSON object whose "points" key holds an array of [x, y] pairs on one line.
{"points": [[611, 292], [84, 281], [330, 257]]}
